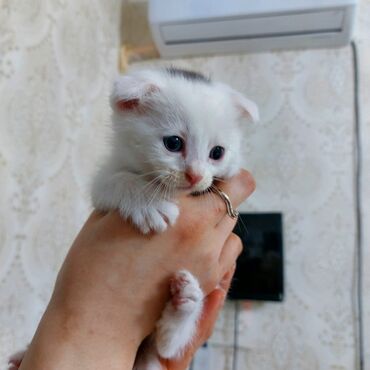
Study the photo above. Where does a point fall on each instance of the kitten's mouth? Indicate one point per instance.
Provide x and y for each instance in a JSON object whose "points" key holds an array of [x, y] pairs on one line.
{"points": [[188, 187], [193, 189]]}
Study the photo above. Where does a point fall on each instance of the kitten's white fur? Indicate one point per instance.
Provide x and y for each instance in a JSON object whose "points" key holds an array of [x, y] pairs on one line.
{"points": [[141, 178]]}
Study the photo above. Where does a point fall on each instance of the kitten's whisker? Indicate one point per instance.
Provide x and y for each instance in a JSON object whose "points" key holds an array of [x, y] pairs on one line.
{"points": [[157, 190], [153, 194], [149, 185], [168, 189], [219, 179], [162, 190], [151, 182], [172, 187], [157, 179], [172, 181], [164, 172], [165, 190]]}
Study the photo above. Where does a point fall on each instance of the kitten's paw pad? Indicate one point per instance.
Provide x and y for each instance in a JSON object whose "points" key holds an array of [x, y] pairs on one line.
{"points": [[185, 291], [13, 365], [15, 360]]}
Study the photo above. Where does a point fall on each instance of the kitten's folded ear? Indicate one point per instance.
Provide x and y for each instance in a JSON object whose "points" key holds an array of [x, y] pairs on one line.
{"points": [[247, 108], [130, 91]]}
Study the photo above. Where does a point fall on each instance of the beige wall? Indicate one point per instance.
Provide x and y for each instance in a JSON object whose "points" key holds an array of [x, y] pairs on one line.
{"points": [[56, 63], [57, 59]]}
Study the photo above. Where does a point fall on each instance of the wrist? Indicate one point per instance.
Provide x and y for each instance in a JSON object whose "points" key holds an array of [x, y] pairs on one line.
{"points": [[70, 340]]}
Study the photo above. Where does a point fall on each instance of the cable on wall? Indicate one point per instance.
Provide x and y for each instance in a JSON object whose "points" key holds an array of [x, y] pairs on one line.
{"points": [[358, 267], [236, 335]]}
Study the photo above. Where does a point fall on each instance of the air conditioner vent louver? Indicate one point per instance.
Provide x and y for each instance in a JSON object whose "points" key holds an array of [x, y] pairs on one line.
{"points": [[239, 25]]}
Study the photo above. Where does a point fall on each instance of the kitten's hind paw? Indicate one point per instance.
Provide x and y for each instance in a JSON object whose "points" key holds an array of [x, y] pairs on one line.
{"points": [[178, 323], [155, 217], [186, 295], [16, 359]]}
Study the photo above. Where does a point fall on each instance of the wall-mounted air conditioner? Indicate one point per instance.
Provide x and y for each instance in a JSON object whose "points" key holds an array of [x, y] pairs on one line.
{"points": [[195, 27]]}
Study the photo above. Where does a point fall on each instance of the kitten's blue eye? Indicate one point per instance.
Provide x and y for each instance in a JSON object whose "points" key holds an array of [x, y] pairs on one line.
{"points": [[216, 152], [173, 143]]}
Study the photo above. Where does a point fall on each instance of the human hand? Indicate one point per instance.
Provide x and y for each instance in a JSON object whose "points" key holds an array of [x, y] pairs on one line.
{"points": [[113, 284]]}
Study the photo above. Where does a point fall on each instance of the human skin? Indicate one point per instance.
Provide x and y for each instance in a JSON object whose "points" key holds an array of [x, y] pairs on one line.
{"points": [[114, 282]]}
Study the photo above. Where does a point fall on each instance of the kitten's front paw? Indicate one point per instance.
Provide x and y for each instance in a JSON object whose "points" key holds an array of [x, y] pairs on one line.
{"points": [[155, 217]]}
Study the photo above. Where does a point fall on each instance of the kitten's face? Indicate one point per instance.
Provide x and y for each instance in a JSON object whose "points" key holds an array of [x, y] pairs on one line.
{"points": [[181, 133], [197, 142]]}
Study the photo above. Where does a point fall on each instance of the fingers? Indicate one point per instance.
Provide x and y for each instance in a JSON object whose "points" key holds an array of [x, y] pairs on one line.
{"points": [[209, 208], [238, 188], [237, 192], [229, 253]]}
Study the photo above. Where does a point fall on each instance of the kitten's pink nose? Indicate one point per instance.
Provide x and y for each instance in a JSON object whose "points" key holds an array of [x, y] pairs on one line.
{"points": [[192, 178]]}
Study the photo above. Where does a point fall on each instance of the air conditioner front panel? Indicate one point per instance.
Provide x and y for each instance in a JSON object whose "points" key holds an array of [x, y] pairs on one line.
{"points": [[193, 27], [328, 21], [163, 11]]}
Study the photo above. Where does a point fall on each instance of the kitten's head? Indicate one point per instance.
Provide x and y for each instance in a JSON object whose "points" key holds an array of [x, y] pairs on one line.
{"points": [[179, 127]]}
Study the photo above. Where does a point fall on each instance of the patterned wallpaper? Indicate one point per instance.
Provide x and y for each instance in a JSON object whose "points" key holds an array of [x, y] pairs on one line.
{"points": [[57, 59]]}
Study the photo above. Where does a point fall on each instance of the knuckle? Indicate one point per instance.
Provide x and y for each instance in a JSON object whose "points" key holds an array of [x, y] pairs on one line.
{"points": [[234, 238], [248, 180], [237, 242]]}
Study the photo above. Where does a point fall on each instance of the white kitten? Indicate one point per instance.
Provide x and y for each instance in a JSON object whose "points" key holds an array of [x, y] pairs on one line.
{"points": [[174, 131]]}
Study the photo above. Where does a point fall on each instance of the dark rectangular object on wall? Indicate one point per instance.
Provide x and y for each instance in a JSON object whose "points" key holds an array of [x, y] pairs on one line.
{"points": [[259, 273]]}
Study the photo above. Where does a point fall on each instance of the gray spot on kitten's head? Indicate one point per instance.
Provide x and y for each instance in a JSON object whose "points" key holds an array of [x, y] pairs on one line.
{"points": [[188, 75]]}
